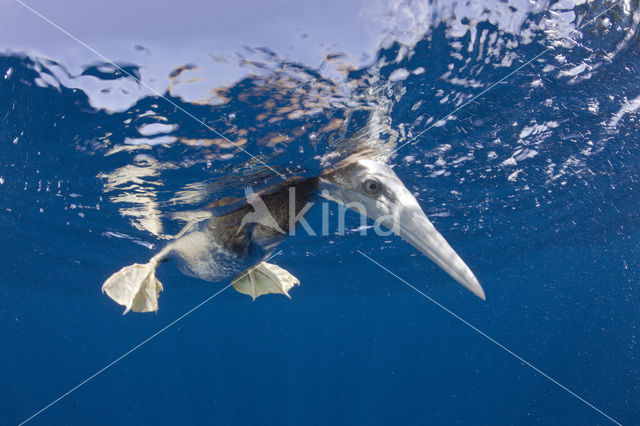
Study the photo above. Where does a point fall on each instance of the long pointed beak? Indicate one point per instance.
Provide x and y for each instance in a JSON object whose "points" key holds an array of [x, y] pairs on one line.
{"points": [[415, 228], [395, 208]]}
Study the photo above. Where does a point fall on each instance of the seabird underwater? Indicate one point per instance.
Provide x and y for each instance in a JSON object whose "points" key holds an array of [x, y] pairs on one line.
{"points": [[237, 244]]}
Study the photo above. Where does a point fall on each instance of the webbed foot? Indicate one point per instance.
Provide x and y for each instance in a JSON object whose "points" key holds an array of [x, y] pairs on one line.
{"points": [[265, 278], [135, 287]]}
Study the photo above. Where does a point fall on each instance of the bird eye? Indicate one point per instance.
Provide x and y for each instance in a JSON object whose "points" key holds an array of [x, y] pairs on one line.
{"points": [[371, 186]]}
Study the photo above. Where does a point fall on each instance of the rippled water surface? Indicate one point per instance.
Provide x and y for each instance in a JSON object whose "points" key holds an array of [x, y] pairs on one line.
{"points": [[515, 125]]}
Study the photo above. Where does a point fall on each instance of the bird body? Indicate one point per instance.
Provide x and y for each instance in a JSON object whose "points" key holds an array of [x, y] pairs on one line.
{"points": [[222, 247]]}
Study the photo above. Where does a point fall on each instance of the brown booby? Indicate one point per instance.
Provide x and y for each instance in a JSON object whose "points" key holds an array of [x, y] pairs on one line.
{"points": [[222, 247]]}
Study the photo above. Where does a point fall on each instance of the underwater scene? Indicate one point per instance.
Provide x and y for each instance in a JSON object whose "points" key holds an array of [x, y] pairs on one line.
{"points": [[320, 213]]}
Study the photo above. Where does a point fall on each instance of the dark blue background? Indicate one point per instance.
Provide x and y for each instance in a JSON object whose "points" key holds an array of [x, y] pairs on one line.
{"points": [[558, 261]]}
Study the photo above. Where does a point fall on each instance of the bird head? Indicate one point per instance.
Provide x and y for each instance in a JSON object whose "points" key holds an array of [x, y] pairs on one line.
{"points": [[372, 188]]}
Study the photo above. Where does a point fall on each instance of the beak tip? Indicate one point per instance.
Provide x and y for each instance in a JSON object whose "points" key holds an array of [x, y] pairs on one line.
{"points": [[474, 286], [482, 296], [478, 290]]}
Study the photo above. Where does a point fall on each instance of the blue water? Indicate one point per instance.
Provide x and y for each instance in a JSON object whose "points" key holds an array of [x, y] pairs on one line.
{"points": [[535, 184]]}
